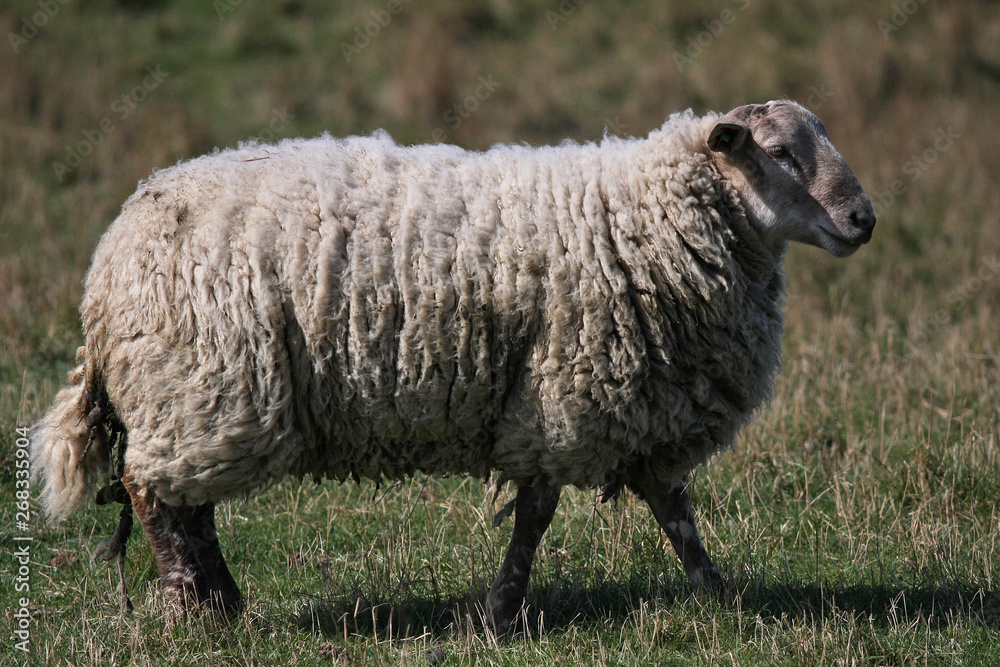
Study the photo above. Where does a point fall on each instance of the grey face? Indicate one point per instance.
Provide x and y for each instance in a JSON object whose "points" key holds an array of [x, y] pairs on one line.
{"points": [[795, 184]]}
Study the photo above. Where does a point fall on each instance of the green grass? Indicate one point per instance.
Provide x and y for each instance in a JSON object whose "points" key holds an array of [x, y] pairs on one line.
{"points": [[856, 517]]}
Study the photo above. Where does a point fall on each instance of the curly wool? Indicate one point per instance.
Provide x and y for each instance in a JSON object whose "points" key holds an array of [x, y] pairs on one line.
{"points": [[356, 308]]}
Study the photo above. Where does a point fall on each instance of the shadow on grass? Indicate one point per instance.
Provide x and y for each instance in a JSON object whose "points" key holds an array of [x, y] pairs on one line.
{"points": [[939, 604], [565, 604]]}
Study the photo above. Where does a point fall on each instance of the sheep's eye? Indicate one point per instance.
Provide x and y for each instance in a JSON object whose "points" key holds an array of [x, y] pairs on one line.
{"points": [[777, 151]]}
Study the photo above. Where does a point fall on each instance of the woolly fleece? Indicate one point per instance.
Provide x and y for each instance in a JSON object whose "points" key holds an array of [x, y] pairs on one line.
{"points": [[356, 308]]}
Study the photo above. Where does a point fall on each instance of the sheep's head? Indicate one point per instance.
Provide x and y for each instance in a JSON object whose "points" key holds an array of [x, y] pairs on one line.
{"points": [[794, 183]]}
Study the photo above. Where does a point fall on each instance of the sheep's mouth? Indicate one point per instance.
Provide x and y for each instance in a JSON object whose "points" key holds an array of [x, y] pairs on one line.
{"points": [[839, 246]]}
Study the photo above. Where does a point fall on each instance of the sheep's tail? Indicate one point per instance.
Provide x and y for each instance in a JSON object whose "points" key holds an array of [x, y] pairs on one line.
{"points": [[70, 446]]}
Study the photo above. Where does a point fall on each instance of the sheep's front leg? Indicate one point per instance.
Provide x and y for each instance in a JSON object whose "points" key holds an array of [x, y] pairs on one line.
{"points": [[182, 576], [671, 506], [534, 508], [199, 523]]}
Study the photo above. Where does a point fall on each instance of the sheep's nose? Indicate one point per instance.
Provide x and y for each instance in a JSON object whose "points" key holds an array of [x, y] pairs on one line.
{"points": [[862, 218], [864, 222]]}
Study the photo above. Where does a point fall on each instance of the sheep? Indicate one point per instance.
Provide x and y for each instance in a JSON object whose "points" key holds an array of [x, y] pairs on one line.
{"points": [[603, 315]]}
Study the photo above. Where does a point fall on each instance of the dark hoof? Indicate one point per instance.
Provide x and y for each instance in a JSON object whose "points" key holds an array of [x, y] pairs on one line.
{"points": [[505, 614]]}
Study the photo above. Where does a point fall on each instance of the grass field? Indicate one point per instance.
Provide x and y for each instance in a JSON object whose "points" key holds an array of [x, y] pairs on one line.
{"points": [[856, 517]]}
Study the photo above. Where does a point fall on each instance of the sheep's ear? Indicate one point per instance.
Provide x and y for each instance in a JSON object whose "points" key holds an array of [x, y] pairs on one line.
{"points": [[728, 136]]}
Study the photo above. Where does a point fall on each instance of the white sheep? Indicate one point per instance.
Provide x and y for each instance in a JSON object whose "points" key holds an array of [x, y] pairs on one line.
{"points": [[602, 315]]}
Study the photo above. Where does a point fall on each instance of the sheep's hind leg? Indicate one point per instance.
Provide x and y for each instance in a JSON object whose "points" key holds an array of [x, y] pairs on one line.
{"points": [[671, 506], [199, 523], [182, 576], [533, 511]]}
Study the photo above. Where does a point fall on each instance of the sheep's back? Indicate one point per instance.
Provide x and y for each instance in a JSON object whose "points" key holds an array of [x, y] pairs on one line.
{"points": [[321, 308]]}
